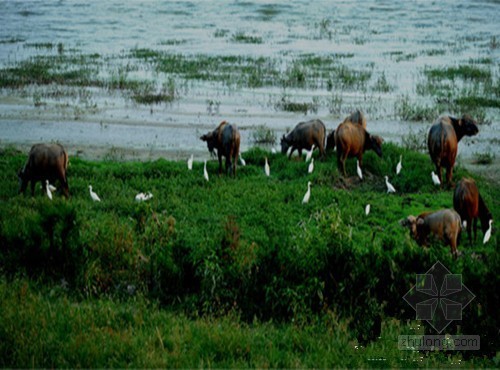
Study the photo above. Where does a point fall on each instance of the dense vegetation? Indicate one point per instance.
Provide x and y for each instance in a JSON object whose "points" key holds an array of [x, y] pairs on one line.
{"points": [[230, 272]]}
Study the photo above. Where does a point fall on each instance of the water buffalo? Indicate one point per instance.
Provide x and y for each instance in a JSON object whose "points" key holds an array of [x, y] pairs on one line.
{"points": [[303, 136], [45, 162], [443, 139], [226, 140], [355, 117], [352, 140], [445, 224], [470, 206]]}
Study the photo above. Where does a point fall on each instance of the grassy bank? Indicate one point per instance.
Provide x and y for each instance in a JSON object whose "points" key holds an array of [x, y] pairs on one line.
{"points": [[230, 272]]}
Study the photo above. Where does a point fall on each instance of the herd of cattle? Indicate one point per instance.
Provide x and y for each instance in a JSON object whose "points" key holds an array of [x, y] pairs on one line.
{"points": [[48, 163]]}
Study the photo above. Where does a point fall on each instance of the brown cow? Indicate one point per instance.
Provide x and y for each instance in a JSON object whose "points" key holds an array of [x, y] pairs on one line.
{"points": [[45, 162], [445, 224], [303, 136], [443, 139], [226, 139], [355, 117], [352, 140], [470, 206]]}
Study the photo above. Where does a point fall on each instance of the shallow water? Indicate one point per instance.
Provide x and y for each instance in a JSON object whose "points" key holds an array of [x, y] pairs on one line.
{"points": [[387, 37]]}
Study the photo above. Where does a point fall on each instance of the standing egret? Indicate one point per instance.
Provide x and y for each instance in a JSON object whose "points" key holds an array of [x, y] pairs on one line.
{"points": [[243, 162], [142, 197], [487, 235], [93, 195], [190, 163], [309, 153], [273, 150], [367, 209], [360, 173], [307, 195], [390, 188], [267, 169], [464, 224], [399, 165], [310, 169], [47, 187], [435, 179], [205, 172]]}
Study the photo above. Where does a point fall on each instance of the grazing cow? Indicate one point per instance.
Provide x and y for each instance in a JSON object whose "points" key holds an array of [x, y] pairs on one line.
{"points": [[443, 139], [303, 136], [470, 206], [355, 117], [445, 224], [45, 162], [226, 140], [352, 140]]}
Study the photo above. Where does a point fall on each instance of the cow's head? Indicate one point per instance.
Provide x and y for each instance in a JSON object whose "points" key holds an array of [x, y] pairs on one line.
{"points": [[285, 144], [467, 125], [411, 223], [376, 144], [210, 138]]}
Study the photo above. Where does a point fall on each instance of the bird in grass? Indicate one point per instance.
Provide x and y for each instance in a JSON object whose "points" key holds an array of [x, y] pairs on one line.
{"points": [[267, 169], [390, 188], [399, 165], [242, 161], [205, 172], [309, 154], [310, 169], [307, 195], [435, 179], [487, 235], [273, 150], [141, 197], [367, 209], [190, 162], [93, 195], [464, 224], [360, 173], [47, 187]]}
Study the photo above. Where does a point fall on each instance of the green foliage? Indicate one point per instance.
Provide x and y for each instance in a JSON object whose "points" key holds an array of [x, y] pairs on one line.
{"points": [[246, 247]]}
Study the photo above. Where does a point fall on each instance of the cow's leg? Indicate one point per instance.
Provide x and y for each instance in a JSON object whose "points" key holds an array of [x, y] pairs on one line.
{"points": [[449, 175], [339, 161], [33, 183], [228, 165], [235, 161], [220, 162], [438, 170], [469, 229], [475, 229]]}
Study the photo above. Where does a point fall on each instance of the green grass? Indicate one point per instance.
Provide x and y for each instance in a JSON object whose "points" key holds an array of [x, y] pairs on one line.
{"points": [[229, 273]]}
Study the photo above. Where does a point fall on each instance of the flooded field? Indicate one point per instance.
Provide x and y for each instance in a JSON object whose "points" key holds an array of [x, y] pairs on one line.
{"points": [[144, 79]]}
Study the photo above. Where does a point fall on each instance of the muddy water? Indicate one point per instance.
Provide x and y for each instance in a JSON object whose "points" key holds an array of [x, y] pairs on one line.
{"points": [[393, 38]]}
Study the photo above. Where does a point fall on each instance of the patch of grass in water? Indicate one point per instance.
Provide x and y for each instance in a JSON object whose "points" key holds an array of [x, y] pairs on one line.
{"points": [[287, 105], [411, 111], [242, 37], [465, 72]]}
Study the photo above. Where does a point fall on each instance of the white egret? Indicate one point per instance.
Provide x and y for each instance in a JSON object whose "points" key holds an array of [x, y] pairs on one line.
{"points": [[142, 197], [289, 151], [435, 178], [367, 209], [307, 195], [267, 169], [360, 173], [93, 195], [51, 187], [243, 162], [205, 172], [273, 150], [47, 187], [190, 162], [309, 153], [310, 169], [487, 235], [464, 224], [399, 165], [390, 188]]}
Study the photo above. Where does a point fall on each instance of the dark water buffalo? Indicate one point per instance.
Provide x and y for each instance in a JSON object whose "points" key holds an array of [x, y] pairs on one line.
{"points": [[303, 136], [470, 206], [45, 162], [355, 117], [443, 139], [352, 140], [226, 140], [444, 224]]}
